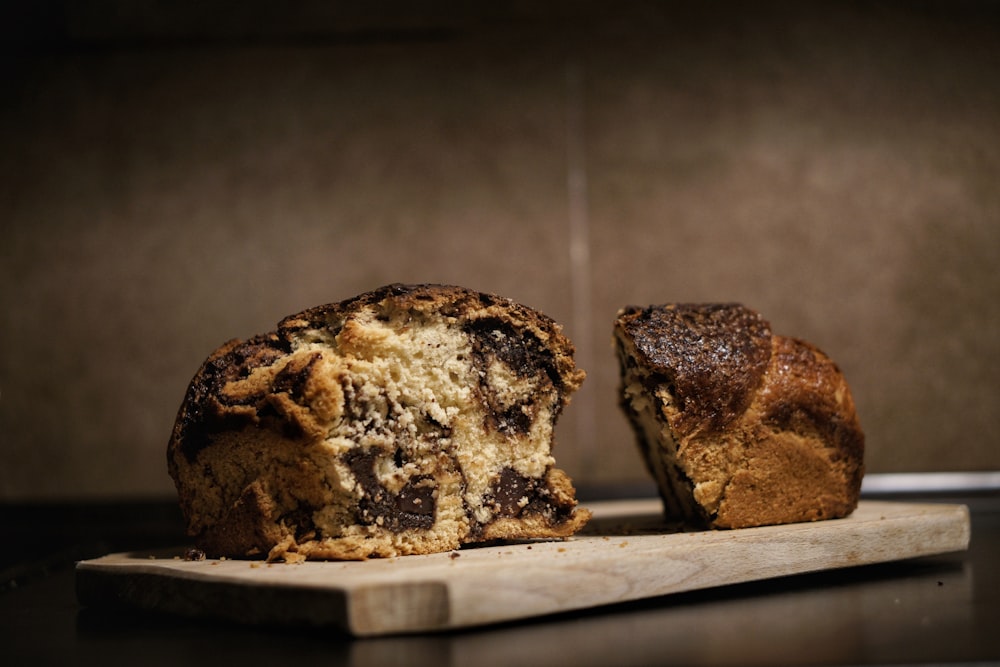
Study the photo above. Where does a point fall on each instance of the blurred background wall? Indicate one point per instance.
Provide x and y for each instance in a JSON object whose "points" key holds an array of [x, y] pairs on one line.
{"points": [[173, 175]]}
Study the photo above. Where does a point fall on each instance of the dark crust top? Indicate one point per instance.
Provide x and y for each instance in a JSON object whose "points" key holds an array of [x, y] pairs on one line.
{"points": [[711, 356], [204, 411]]}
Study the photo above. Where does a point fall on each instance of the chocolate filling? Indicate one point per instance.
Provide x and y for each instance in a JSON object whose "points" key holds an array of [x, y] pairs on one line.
{"points": [[493, 338], [522, 351], [208, 413], [412, 508], [514, 495], [511, 492], [293, 377]]}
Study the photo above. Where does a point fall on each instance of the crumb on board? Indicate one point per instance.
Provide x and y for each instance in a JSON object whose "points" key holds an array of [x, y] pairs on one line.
{"points": [[194, 554]]}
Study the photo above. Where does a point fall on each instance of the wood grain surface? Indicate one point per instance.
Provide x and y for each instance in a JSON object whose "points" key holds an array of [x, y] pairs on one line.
{"points": [[626, 553]]}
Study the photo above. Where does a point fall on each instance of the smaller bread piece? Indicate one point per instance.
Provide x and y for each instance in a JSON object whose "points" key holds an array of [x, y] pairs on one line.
{"points": [[739, 427], [407, 420]]}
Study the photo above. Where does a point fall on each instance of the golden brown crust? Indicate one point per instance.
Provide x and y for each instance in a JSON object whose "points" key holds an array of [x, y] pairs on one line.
{"points": [[738, 426], [351, 430]]}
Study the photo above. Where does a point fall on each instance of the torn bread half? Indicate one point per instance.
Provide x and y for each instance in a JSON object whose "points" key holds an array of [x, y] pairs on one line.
{"points": [[407, 420]]}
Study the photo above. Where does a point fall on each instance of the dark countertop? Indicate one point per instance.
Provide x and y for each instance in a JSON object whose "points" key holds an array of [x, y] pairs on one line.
{"points": [[942, 609]]}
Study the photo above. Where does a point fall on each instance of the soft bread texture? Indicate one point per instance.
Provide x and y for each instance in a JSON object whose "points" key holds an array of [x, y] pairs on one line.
{"points": [[738, 426], [411, 419]]}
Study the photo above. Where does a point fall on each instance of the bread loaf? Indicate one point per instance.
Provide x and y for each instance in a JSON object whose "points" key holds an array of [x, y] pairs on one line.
{"points": [[407, 420], [738, 426]]}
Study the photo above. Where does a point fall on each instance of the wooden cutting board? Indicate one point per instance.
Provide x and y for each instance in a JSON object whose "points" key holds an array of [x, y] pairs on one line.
{"points": [[626, 553]]}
